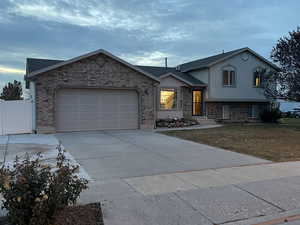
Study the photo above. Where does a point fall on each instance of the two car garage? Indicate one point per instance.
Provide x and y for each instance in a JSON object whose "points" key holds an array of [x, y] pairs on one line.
{"points": [[96, 109], [95, 91]]}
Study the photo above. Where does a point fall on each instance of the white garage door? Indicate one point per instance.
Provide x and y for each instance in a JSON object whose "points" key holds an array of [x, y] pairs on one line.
{"points": [[95, 109]]}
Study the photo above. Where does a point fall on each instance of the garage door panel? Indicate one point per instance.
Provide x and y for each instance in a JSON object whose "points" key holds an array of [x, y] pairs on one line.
{"points": [[111, 108], [89, 109], [128, 108], [89, 99], [130, 123], [68, 108]]}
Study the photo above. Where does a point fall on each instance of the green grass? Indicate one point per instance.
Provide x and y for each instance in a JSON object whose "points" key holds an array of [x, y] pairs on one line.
{"points": [[275, 142]]}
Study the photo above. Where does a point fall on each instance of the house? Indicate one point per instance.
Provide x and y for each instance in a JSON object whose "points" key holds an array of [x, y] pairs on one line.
{"points": [[99, 91]]}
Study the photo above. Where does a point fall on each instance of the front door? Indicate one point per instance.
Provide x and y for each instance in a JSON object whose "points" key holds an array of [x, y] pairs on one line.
{"points": [[197, 103]]}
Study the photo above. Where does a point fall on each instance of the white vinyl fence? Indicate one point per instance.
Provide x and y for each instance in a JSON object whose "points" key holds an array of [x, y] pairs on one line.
{"points": [[15, 117]]}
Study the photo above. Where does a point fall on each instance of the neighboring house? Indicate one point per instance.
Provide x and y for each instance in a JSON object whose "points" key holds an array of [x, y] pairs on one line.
{"points": [[100, 91]]}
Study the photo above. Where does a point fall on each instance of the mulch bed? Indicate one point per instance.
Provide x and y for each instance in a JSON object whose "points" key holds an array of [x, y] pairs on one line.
{"points": [[90, 214]]}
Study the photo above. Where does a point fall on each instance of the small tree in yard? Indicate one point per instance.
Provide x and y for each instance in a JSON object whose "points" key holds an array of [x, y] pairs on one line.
{"points": [[34, 192], [12, 91], [286, 54]]}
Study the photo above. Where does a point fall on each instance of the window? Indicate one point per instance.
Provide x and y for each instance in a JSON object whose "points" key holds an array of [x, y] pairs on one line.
{"points": [[229, 77], [254, 111], [197, 103], [168, 99], [257, 77]]}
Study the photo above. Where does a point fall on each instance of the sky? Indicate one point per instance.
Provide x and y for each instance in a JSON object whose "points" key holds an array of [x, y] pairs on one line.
{"points": [[139, 31]]}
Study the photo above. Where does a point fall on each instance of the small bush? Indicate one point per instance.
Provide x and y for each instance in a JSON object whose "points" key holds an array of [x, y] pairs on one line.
{"points": [[270, 116], [34, 192]]}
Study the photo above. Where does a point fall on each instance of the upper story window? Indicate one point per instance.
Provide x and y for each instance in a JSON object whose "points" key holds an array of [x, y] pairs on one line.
{"points": [[257, 77], [229, 77], [168, 98]]}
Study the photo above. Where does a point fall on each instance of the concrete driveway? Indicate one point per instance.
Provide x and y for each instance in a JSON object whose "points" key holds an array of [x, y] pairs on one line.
{"points": [[145, 178], [123, 154], [149, 178]]}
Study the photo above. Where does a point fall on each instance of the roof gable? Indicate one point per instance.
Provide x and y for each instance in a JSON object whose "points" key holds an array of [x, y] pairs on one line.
{"points": [[54, 64]]}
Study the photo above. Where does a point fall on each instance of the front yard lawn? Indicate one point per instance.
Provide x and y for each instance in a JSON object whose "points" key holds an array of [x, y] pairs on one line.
{"points": [[275, 142]]}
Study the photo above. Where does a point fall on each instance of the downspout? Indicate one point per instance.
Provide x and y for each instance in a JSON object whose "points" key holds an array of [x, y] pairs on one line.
{"points": [[33, 100]]}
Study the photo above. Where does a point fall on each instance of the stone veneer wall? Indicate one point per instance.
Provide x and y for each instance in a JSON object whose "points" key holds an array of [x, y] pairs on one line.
{"points": [[99, 71], [239, 111]]}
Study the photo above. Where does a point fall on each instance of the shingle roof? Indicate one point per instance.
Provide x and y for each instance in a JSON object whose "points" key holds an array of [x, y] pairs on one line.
{"points": [[34, 64], [60, 63], [205, 62], [209, 61], [160, 71]]}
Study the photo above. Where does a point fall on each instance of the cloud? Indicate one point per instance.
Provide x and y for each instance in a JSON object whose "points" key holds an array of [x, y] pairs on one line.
{"points": [[143, 32], [155, 58], [173, 34], [7, 70], [82, 13]]}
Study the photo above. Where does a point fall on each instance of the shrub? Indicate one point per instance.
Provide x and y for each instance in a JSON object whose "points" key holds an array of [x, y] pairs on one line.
{"points": [[270, 116], [34, 192]]}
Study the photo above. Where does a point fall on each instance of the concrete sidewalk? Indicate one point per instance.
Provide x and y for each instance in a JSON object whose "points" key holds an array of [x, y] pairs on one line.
{"points": [[237, 195]]}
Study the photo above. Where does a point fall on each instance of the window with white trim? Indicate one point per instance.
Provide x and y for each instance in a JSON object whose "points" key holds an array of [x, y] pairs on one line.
{"points": [[229, 77], [168, 99]]}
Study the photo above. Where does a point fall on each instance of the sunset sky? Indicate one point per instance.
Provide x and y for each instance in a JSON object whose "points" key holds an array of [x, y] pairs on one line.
{"points": [[139, 31]]}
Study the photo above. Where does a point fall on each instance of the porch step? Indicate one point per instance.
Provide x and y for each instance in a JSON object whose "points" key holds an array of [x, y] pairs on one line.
{"points": [[205, 121]]}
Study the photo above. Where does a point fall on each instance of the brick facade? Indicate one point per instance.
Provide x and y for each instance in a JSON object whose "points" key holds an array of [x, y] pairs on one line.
{"points": [[187, 102], [98, 71], [239, 111]]}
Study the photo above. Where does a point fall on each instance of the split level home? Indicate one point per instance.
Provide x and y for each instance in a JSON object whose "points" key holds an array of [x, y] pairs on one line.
{"points": [[99, 91]]}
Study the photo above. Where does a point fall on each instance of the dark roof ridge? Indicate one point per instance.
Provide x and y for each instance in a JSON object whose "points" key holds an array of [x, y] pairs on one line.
{"points": [[45, 59], [229, 52]]}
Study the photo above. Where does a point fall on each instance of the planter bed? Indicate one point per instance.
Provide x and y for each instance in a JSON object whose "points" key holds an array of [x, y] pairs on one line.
{"points": [[173, 123]]}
